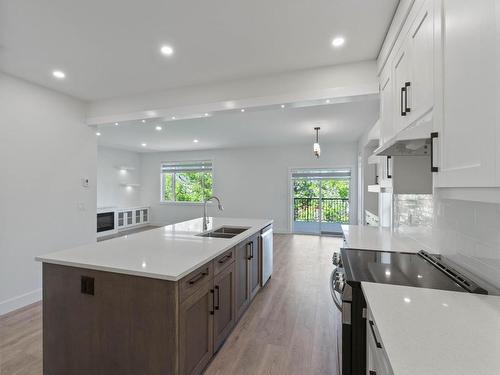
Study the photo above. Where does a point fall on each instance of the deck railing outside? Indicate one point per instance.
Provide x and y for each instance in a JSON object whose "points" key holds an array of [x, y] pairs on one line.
{"points": [[333, 210]]}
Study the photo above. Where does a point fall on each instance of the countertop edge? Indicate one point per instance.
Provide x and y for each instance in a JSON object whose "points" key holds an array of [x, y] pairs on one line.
{"points": [[233, 242]]}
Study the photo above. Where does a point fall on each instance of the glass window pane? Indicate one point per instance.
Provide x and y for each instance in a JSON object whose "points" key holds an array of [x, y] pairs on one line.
{"points": [[168, 193]]}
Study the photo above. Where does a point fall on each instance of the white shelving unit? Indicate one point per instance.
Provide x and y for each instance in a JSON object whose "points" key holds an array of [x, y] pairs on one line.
{"points": [[130, 217]]}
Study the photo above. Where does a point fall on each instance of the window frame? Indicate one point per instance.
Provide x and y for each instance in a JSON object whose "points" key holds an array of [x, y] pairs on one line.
{"points": [[162, 180]]}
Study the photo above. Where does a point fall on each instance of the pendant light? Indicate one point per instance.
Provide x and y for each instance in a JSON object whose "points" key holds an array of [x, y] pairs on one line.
{"points": [[316, 147]]}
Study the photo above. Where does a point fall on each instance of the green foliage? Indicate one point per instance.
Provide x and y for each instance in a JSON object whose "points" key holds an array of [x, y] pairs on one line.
{"points": [[189, 186], [334, 205]]}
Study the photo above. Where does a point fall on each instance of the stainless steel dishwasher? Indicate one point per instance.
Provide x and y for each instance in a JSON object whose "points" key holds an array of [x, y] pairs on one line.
{"points": [[266, 241]]}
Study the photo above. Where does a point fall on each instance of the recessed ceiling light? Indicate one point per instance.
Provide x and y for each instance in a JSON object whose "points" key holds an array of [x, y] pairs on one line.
{"points": [[116, 124], [242, 109], [143, 121], [328, 101], [407, 300], [144, 144], [282, 106], [338, 41], [97, 133], [167, 50], [59, 74], [158, 128], [195, 140]]}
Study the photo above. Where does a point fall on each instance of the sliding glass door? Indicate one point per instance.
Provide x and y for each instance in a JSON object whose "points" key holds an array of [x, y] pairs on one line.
{"points": [[320, 200]]}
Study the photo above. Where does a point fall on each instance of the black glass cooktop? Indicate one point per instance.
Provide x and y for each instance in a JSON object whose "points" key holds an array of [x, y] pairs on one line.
{"points": [[395, 268]]}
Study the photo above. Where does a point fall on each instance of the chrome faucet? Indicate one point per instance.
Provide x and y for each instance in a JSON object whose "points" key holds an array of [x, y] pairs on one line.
{"points": [[205, 219]]}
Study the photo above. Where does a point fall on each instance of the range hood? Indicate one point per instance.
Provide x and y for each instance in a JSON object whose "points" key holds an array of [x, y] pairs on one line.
{"points": [[414, 140]]}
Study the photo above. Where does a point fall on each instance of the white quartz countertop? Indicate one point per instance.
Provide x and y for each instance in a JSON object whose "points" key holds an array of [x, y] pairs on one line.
{"points": [[168, 253], [379, 238], [436, 332]]}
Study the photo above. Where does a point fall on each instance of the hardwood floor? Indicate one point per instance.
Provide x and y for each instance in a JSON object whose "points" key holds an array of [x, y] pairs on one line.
{"points": [[288, 329]]}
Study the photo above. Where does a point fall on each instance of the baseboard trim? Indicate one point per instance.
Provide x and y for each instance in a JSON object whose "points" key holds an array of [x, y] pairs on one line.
{"points": [[20, 301]]}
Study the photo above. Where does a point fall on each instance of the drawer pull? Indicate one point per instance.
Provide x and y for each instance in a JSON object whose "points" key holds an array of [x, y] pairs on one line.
{"points": [[217, 306], [379, 345], [198, 277], [225, 258]]}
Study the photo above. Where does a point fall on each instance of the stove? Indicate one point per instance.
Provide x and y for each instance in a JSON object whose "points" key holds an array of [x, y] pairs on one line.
{"points": [[353, 266]]}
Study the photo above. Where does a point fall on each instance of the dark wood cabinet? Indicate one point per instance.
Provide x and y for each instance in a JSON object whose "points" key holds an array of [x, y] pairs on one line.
{"points": [[242, 280], [196, 320], [247, 273], [129, 324], [224, 304]]}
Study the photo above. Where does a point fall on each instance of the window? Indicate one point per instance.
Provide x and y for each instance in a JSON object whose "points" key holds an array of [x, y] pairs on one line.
{"points": [[190, 181]]}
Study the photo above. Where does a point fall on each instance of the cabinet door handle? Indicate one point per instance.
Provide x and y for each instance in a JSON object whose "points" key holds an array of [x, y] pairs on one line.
{"points": [[213, 302], [249, 250], [217, 306], [225, 258], [407, 91], [387, 160], [403, 91], [379, 345], [198, 277], [434, 135]]}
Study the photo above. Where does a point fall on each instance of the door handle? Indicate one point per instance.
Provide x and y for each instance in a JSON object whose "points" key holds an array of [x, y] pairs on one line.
{"points": [[434, 135], [225, 258], [198, 277], [249, 251], [403, 91], [213, 302], [407, 91], [217, 306], [387, 160], [379, 345]]}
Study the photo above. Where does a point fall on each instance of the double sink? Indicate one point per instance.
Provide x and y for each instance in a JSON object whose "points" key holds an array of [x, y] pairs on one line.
{"points": [[224, 232]]}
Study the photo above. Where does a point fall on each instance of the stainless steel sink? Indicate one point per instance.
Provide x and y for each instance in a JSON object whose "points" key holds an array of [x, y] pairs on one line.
{"points": [[224, 232]]}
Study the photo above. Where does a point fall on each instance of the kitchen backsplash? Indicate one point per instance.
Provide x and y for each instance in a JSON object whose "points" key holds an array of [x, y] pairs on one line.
{"points": [[412, 210], [468, 233]]}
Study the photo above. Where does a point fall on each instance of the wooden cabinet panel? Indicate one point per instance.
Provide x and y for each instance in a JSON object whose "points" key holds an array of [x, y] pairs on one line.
{"points": [[122, 325], [242, 279], [254, 266], [468, 126], [196, 330], [224, 304], [195, 280], [224, 260]]}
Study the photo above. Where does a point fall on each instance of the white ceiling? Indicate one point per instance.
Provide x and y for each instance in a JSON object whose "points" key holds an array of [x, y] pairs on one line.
{"points": [[342, 122], [111, 48]]}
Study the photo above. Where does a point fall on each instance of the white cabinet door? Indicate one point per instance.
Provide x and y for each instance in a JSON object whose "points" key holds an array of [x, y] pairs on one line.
{"points": [[401, 73], [420, 93], [468, 129], [386, 106]]}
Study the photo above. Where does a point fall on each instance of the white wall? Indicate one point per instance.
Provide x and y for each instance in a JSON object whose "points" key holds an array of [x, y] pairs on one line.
{"points": [[110, 192], [45, 150], [252, 182]]}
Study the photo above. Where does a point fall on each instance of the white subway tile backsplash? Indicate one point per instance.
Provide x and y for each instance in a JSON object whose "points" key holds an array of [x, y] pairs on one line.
{"points": [[469, 234]]}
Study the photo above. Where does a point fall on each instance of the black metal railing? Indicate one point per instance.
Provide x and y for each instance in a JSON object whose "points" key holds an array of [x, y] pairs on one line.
{"points": [[333, 210]]}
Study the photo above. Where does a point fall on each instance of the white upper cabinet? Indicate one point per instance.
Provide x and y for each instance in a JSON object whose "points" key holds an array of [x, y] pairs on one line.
{"points": [[467, 96], [402, 82], [413, 68], [386, 107], [420, 93]]}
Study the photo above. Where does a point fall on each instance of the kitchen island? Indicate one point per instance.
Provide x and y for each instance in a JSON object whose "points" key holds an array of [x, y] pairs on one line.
{"points": [[156, 302]]}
